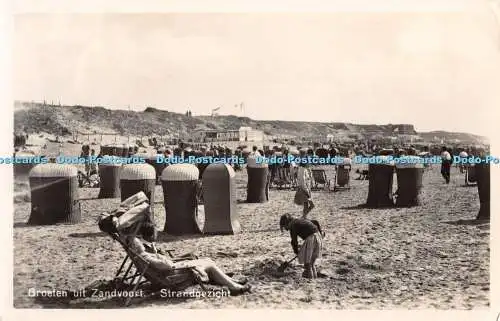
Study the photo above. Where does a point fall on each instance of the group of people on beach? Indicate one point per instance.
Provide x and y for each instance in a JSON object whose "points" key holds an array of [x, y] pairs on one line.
{"points": [[301, 226], [447, 159]]}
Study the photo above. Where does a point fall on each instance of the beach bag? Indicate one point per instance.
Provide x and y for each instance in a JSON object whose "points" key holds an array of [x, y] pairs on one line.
{"points": [[301, 196]]}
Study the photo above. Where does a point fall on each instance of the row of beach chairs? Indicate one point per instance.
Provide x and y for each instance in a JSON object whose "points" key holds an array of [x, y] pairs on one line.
{"points": [[286, 178]]}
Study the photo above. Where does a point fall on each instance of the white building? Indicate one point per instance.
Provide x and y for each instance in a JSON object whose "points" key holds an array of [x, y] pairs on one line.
{"points": [[247, 134], [243, 134]]}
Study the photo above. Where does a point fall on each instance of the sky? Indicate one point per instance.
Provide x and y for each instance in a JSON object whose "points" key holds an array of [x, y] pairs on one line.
{"points": [[436, 70]]}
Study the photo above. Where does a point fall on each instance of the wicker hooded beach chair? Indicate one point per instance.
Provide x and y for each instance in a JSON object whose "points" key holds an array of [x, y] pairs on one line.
{"points": [[342, 177], [470, 175], [138, 272]]}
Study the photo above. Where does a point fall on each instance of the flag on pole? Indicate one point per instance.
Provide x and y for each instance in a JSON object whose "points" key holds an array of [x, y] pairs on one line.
{"points": [[241, 106], [214, 111]]}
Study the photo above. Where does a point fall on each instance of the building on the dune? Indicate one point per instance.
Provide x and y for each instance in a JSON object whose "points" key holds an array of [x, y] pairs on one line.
{"points": [[243, 134], [403, 129]]}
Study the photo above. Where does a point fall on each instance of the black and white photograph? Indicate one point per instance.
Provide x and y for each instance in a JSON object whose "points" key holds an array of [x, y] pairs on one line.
{"points": [[334, 160]]}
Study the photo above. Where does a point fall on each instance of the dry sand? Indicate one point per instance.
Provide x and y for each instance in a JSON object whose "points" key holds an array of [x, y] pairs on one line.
{"points": [[421, 257]]}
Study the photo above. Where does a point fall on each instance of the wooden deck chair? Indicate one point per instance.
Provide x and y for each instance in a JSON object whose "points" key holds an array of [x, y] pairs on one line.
{"points": [[342, 177], [282, 178], [85, 180], [470, 175], [293, 175], [140, 273], [320, 178]]}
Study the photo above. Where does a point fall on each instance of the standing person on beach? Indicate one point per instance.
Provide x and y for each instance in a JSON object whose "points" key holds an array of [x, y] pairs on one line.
{"points": [[86, 154], [303, 194], [92, 163], [446, 162], [255, 152], [311, 233]]}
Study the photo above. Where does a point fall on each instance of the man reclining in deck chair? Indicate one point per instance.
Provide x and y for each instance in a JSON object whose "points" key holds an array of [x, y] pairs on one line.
{"points": [[123, 222]]}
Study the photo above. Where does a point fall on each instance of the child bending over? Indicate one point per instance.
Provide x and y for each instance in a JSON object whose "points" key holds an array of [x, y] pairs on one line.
{"points": [[312, 246]]}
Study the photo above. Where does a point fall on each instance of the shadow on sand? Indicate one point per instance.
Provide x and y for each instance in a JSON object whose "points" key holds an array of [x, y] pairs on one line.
{"points": [[473, 222], [166, 238], [365, 206], [91, 234], [24, 224], [89, 199], [21, 224], [263, 230], [162, 237]]}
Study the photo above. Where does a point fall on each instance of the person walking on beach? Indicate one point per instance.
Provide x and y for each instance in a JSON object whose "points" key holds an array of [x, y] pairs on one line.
{"points": [[446, 162], [303, 195]]}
